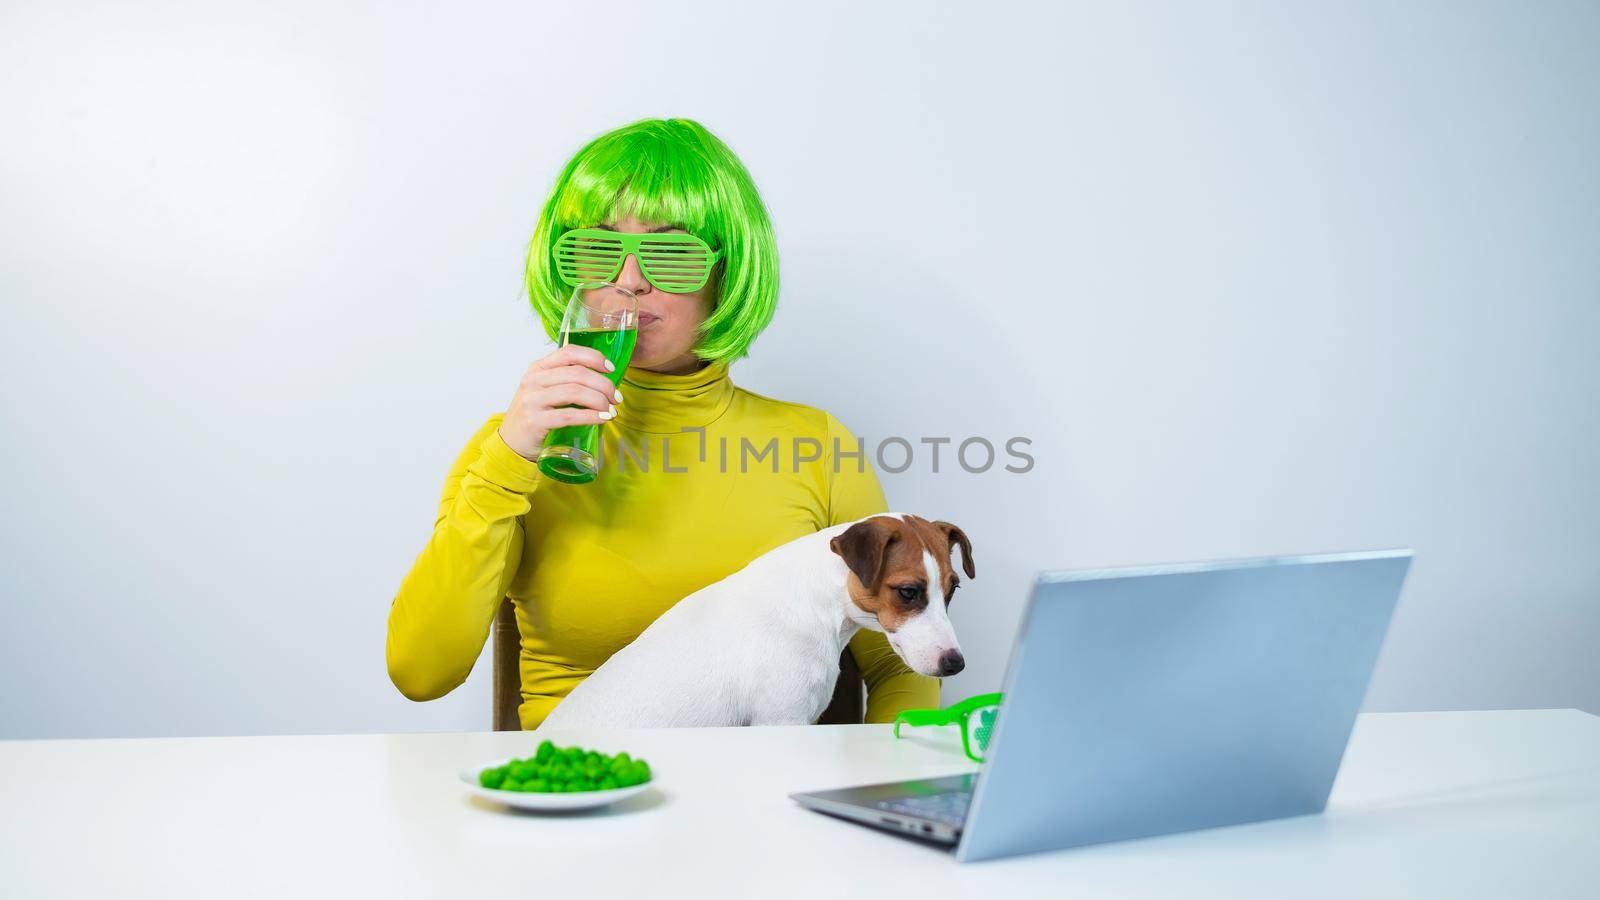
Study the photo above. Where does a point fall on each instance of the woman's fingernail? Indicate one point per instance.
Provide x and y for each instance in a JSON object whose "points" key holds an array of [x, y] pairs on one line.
{"points": [[610, 366], [609, 414], [617, 395]]}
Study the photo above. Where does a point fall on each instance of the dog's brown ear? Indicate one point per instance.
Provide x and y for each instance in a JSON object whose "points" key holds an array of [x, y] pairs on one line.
{"points": [[863, 547], [958, 537]]}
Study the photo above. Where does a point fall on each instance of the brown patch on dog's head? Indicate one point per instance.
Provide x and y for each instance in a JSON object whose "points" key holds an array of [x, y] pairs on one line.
{"points": [[887, 557], [955, 537]]}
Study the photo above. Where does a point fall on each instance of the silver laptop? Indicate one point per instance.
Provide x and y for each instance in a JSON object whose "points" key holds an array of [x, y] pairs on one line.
{"points": [[1152, 700]]}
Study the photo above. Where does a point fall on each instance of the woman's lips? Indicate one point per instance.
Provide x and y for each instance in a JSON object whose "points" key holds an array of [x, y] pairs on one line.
{"points": [[648, 319]]}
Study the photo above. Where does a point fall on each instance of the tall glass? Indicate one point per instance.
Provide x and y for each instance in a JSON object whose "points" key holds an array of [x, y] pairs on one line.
{"points": [[605, 317]]}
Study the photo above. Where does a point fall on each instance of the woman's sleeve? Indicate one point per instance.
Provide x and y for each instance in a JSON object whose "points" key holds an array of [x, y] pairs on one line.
{"points": [[441, 617], [852, 494]]}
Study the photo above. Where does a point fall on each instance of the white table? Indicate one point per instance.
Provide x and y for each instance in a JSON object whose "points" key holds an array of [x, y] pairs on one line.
{"points": [[1476, 804]]}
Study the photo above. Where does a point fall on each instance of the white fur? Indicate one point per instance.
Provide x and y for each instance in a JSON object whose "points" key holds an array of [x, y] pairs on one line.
{"points": [[760, 647], [924, 638]]}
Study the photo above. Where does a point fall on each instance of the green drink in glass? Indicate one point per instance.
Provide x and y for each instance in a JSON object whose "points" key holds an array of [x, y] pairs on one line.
{"points": [[605, 317]]}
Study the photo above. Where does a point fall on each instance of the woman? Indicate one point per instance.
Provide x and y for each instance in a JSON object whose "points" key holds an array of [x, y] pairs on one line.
{"points": [[698, 477]]}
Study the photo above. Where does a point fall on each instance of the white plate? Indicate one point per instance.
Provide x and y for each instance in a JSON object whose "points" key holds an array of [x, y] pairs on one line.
{"points": [[547, 801]]}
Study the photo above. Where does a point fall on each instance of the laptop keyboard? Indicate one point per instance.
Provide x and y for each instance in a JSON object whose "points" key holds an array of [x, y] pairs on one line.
{"points": [[949, 807]]}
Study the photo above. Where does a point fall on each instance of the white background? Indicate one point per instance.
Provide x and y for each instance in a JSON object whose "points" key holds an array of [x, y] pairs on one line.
{"points": [[1253, 278]]}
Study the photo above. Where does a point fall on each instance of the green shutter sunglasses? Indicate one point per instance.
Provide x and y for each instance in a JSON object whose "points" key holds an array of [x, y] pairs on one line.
{"points": [[975, 715], [675, 263]]}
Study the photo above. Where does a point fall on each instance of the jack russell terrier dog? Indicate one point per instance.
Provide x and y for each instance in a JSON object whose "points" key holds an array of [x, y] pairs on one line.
{"points": [[761, 647]]}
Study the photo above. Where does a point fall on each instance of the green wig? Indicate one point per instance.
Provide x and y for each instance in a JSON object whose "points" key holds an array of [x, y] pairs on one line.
{"points": [[668, 172]]}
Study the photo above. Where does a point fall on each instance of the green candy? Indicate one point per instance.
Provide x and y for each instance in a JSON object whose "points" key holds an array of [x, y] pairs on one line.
{"points": [[558, 770]]}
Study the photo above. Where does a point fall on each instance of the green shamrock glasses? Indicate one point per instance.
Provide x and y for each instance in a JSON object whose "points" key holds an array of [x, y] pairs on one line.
{"points": [[975, 715], [675, 263]]}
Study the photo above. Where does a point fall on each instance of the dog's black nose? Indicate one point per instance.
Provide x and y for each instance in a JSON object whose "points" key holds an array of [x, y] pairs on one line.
{"points": [[951, 662]]}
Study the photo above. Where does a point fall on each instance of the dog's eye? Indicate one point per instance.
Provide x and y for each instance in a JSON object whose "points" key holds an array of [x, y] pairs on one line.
{"points": [[909, 592]]}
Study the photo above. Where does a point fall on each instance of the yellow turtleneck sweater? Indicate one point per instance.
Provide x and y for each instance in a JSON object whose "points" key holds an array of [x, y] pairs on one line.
{"points": [[588, 567]]}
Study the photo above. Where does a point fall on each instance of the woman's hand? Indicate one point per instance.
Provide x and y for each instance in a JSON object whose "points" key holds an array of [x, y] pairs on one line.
{"points": [[571, 376]]}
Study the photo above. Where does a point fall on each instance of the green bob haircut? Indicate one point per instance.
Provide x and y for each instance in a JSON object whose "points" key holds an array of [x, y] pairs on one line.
{"points": [[667, 172]]}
